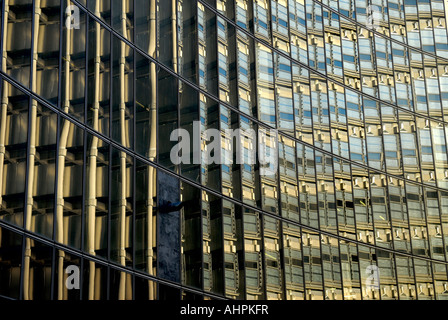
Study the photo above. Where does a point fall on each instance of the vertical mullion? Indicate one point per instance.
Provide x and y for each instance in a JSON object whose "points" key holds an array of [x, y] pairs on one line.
{"points": [[219, 165], [109, 135], [27, 178], [134, 160], [22, 267], [81, 276], [314, 150], [263, 255], [197, 94], [223, 264], [53, 272], [108, 273], [2, 30], [332, 162], [282, 256], [83, 211], [29, 124], [85, 135], [177, 169]]}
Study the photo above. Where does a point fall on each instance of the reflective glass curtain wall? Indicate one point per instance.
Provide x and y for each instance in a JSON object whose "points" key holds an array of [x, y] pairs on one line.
{"points": [[353, 95]]}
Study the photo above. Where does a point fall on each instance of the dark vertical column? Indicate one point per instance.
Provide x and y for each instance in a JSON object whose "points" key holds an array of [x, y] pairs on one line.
{"points": [[165, 43], [211, 44], [189, 39], [168, 228]]}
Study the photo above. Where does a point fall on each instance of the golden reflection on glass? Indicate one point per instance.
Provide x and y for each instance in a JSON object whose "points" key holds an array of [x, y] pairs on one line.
{"points": [[331, 268], [233, 250], [97, 197], [94, 281], [41, 181], [73, 69], [96, 210], [212, 239], [440, 273], [272, 260], [406, 279], [13, 151], [246, 77], [122, 208], [369, 275], [47, 38], [66, 272], [293, 262], [16, 59], [122, 93], [100, 8], [99, 82], [326, 192], [424, 279], [120, 285], [307, 186], [350, 270], [123, 17], [312, 264], [249, 173], [253, 255], [69, 184], [288, 179], [106, 199], [37, 271], [265, 85], [387, 275], [146, 223]]}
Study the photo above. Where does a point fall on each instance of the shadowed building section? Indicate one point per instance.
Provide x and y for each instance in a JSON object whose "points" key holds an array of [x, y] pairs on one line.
{"points": [[168, 228]]}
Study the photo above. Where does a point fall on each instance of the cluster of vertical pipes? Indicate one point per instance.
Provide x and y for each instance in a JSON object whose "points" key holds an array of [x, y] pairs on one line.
{"points": [[91, 201]]}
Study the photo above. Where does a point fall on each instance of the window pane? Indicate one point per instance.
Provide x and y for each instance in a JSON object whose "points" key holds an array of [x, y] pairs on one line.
{"points": [[123, 93], [47, 72], [69, 184], [10, 263], [17, 42], [37, 271], [96, 197], [120, 285], [42, 170], [67, 265], [122, 206], [94, 281], [99, 64], [14, 133], [73, 75]]}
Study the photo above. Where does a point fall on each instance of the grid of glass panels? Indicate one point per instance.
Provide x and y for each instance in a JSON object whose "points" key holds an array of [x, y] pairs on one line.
{"points": [[91, 91]]}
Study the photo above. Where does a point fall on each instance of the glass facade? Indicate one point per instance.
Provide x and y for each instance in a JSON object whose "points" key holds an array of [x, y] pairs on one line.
{"points": [[92, 91]]}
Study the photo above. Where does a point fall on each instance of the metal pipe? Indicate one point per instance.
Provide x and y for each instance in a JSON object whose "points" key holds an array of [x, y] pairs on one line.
{"points": [[32, 153], [152, 150], [174, 33], [122, 201], [61, 165], [4, 102], [91, 198]]}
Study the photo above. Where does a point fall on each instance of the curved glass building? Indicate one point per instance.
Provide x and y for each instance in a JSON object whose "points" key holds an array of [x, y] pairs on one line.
{"points": [[112, 110]]}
